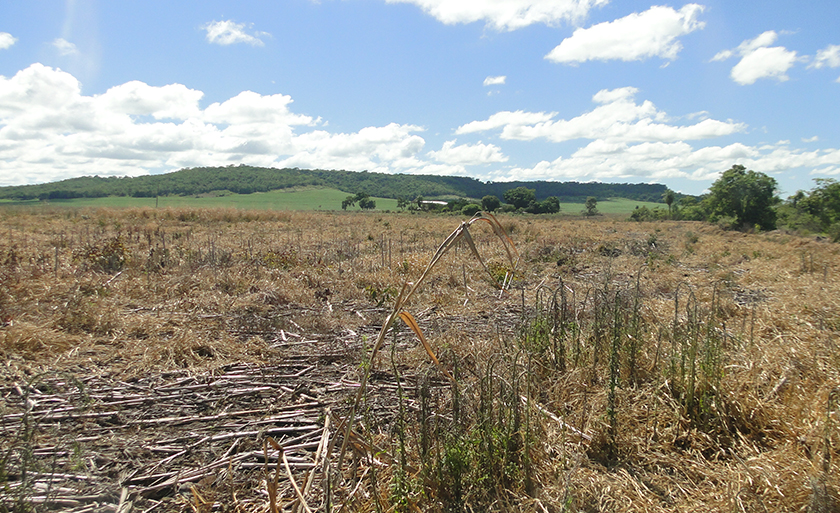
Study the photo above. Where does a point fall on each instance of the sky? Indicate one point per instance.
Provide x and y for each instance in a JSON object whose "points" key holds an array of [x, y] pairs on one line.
{"points": [[499, 90]]}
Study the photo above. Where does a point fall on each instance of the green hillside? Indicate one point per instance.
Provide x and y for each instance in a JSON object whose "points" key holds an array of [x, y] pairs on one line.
{"points": [[247, 180]]}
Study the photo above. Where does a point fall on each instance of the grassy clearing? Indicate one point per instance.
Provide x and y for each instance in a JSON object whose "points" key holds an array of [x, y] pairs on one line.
{"points": [[628, 366], [611, 206]]}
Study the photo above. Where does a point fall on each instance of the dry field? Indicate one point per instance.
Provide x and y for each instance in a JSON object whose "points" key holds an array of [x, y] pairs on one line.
{"points": [[209, 360]]}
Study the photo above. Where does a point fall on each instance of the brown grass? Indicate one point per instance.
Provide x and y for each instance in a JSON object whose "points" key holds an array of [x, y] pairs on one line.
{"points": [[128, 293]]}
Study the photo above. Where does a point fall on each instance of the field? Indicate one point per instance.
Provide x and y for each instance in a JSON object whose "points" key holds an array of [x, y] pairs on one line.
{"points": [[305, 198], [193, 359]]}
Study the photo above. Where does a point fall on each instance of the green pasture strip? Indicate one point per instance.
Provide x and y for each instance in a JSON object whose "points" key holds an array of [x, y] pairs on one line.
{"points": [[298, 199]]}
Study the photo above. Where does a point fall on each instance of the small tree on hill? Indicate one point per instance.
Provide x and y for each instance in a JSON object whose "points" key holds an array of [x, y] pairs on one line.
{"points": [[362, 198]]}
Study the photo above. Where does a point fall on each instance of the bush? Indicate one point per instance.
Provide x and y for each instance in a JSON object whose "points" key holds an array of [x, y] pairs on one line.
{"points": [[645, 214], [470, 209], [490, 203]]}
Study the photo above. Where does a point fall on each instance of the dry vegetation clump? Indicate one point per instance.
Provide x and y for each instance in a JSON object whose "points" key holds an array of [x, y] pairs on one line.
{"points": [[173, 359]]}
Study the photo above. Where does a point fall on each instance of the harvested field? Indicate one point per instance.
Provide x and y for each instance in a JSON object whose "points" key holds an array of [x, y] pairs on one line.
{"points": [[210, 360]]}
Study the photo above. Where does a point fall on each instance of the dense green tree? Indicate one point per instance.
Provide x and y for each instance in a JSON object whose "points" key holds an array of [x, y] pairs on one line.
{"points": [[692, 210], [490, 203], [367, 204], [749, 197], [520, 197], [550, 205], [590, 208], [470, 209], [824, 201]]}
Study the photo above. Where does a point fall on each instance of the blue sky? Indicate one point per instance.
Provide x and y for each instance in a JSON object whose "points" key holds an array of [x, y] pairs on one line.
{"points": [[585, 90]]}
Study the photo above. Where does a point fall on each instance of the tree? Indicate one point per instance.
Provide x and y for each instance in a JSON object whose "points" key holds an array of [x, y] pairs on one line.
{"points": [[668, 197], [490, 203], [470, 209], [550, 205], [591, 206], [747, 196], [520, 197], [367, 204], [824, 201], [402, 202], [362, 198]]}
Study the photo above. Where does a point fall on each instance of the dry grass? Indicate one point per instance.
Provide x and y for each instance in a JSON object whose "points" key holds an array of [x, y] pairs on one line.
{"points": [[701, 365]]}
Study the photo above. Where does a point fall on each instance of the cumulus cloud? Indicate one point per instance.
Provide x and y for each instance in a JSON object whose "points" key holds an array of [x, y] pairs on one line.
{"points": [[500, 80], [658, 161], [228, 32], [639, 36], [617, 118], [828, 56], [174, 101], [6, 40], [468, 154], [50, 131], [506, 14], [65, 47], [759, 59]]}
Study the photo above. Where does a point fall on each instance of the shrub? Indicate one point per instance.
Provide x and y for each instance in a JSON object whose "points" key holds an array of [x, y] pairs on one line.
{"points": [[470, 209]]}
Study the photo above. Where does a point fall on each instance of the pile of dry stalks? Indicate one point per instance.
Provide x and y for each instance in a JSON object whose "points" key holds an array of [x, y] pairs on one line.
{"points": [[158, 360]]}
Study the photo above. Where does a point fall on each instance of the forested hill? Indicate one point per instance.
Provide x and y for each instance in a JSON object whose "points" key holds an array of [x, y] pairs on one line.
{"points": [[246, 179]]}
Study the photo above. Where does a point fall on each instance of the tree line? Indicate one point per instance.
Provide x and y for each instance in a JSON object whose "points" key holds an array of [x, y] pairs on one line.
{"points": [[749, 200], [244, 179]]}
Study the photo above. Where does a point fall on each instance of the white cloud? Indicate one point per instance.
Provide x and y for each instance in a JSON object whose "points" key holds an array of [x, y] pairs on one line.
{"points": [[828, 56], [658, 161], [773, 62], [506, 14], [50, 131], [65, 47], [6, 40], [500, 80], [617, 118], [468, 154], [759, 59], [250, 107], [228, 32], [173, 101], [653, 33], [505, 118]]}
